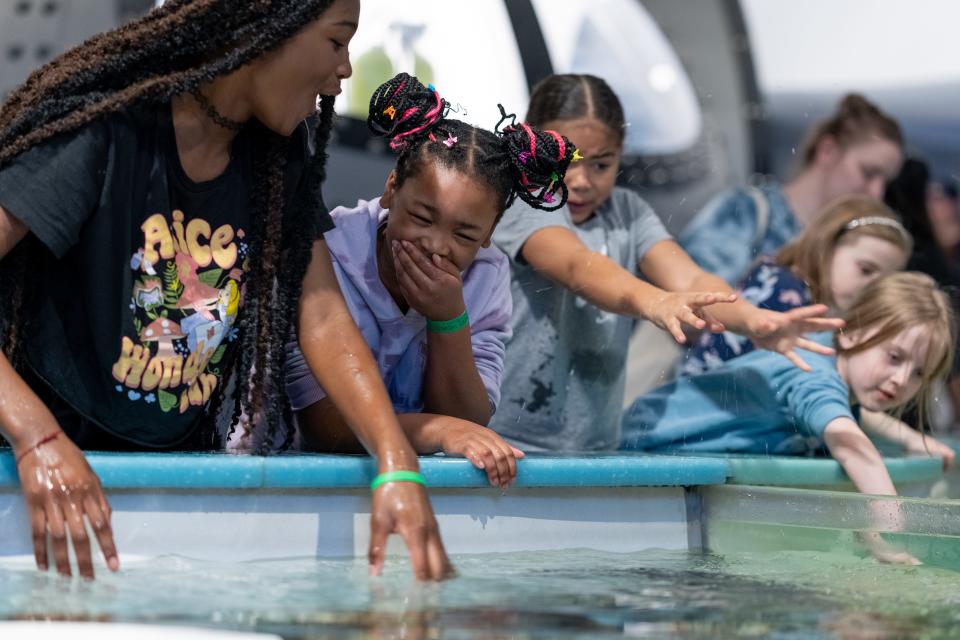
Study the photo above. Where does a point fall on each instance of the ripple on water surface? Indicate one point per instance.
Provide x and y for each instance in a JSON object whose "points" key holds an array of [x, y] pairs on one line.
{"points": [[572, 594]]}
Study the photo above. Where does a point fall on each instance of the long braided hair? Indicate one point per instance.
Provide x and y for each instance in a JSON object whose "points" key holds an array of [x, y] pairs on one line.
{"points": [[171, 51], [518, 161]]}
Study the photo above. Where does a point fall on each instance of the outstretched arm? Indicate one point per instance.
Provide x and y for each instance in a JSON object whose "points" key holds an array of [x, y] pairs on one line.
{"points": [[852, 448], [889, 428], [341, 362], [323, 429], [60, 488], [560, 255], [667, 265], [863, 464]]}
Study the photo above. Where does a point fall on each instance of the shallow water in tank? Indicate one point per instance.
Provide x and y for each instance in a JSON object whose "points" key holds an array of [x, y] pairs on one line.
{"points": [[569, 594]]}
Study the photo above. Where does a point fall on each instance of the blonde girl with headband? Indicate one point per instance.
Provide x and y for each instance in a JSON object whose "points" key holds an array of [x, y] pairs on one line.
{"points": [[855, 151], [430, 294], [898, 343], [857, 240]]}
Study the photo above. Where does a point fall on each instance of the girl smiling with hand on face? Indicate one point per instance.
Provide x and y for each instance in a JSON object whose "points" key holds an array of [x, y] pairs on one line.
{"points": [[429, 293]]}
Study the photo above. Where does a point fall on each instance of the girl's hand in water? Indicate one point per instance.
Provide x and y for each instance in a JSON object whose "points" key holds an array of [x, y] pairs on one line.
{"points": [[61, 490], [886, 552], [403, 507], [783, 332], [671, 311], [484, 448], [430, 284]]}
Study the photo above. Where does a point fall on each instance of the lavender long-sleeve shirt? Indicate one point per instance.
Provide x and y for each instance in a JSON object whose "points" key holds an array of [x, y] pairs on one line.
{"points": [[399, 340]]}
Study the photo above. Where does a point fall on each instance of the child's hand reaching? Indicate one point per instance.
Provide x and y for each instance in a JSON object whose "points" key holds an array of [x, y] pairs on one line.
{"points": [[930, 446], [673, 310], [783, 332], [483, 447], [431, 285]]}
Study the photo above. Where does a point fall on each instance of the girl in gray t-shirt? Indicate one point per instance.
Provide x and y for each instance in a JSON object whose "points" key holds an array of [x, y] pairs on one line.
{"points": [[577, 287]]}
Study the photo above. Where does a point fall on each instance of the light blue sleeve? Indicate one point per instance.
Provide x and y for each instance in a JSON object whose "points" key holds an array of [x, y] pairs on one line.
{"points": [[728, 409], [652, 420], [756, 403], [813, 398], [721, 237]]}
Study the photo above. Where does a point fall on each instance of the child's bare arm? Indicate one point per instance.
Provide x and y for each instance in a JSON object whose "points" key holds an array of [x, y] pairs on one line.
{"points": [[324, 429], [59, 486], [485, 448], [859, 458], [667, 265], [863, 464], [452, 383], [889, 428], [340, 360], [560, 255]]}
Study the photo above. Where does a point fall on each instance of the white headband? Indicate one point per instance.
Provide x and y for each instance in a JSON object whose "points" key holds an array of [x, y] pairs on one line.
{"points": [[888, 222]]}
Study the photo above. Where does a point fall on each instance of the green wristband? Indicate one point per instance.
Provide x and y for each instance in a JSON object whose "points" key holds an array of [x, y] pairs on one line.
{"points": [[397, 476], [449, 326]]}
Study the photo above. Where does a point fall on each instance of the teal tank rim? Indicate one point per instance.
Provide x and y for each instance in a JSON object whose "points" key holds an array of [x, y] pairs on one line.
{"points": [[319, 471], [823, 471]]}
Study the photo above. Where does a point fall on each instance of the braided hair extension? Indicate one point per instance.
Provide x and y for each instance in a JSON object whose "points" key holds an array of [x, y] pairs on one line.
{"points": [[540, 159], [277, 320], [171, 51], [521, 161]]}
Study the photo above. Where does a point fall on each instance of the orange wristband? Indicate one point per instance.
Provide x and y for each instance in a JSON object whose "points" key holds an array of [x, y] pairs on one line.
{"points": [[44, 440]]}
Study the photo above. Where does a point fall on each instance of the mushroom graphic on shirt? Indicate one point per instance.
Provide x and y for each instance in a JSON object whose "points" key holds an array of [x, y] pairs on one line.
{"points": [[163, 331]]}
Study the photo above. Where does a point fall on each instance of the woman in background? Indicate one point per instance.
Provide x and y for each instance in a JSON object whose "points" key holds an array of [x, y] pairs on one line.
{"points": [[857, 150]]}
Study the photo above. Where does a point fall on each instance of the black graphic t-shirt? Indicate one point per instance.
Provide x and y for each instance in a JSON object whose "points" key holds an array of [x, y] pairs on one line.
{"points": [[132, 313]]}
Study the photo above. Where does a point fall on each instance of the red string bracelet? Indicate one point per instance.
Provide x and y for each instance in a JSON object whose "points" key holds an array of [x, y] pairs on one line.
{"points": [[44, 440]]}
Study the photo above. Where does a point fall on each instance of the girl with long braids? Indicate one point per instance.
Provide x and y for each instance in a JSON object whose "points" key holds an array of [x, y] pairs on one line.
{"points": [[429, 293], [580, 282], [160, 231]]}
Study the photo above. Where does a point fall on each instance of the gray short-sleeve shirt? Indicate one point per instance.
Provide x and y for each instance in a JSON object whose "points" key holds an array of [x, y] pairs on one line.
{"points": [[565, 365]]}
